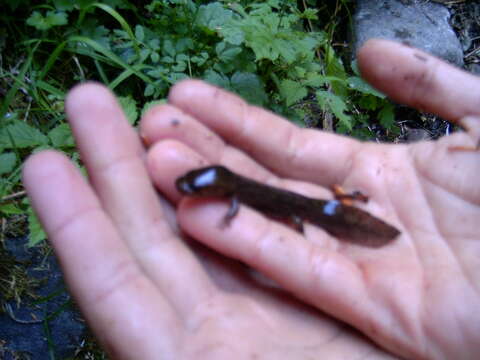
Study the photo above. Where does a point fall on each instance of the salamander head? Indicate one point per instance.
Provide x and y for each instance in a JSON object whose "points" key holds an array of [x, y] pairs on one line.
{"points": [[209, 181]]}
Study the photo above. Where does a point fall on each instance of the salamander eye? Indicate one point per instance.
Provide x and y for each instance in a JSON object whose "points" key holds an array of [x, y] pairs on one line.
{"points": [[209, 181], [204, 179]]}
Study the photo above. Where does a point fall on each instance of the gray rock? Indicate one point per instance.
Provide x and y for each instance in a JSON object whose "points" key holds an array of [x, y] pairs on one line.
{"points": [[419, 23], [414, 135]]}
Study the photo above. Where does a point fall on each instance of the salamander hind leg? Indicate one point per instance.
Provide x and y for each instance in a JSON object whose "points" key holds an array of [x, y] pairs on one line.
{"points": [[232, 212], [348, 198], [297, 223]]}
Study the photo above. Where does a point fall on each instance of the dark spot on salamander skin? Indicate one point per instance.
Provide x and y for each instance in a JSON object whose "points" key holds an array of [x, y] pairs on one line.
{"points": [[420, 57], [174, 122]]}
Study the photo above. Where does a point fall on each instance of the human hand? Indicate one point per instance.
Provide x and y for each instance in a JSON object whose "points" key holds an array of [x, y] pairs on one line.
{"points": [[145, 290], [109, 239], [417, 297]]}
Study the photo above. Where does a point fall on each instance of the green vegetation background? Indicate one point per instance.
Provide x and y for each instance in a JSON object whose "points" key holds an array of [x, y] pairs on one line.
{"points": [[277, 53]]}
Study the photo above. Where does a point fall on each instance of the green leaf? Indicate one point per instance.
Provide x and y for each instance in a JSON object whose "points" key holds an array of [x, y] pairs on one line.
{"points": [[181, 57], [169, 48], [139, 33], [334, 104], [53, 18], [232, 33], [201, 59], [61, 136], [22, 135], [155, 57], [7, 162], [149, 90], [148, 105], [368, 102], [129, 106], [168, 60], [175, 77], [292, 91], [228, 54], [180, 67], [317, 80], [335, 68], [250, 87], [64, 5], [386, 116], [213, 15], [10, 209], [217, 79], [357, 83], [37, 234]]}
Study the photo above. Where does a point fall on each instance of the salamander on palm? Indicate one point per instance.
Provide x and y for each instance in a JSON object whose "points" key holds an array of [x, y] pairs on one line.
{"points": [[339, 219]]}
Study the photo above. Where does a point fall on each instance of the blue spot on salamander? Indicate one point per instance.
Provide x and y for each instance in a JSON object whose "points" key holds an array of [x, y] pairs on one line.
{"points": [[330, 208]]}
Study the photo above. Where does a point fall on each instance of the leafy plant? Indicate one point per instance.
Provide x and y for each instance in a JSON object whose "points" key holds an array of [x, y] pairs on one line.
{"points": [[266, 51]]}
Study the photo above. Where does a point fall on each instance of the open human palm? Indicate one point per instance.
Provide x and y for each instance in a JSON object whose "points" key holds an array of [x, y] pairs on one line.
{"points": [[149, 292]]}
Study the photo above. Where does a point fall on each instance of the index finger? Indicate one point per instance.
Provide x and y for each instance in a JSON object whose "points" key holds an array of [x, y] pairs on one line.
{"points": [[290, 151], [413, 77]]}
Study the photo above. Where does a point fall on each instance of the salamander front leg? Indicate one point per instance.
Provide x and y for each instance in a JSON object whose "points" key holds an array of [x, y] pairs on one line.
{"points": [[232, 211]]}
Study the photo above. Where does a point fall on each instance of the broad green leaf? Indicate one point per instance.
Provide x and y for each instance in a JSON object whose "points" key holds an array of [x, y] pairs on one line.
{"points": [[213, 15], [144, 53], [7, 162], [335, 68], [250, 87], [10, 209], [22, 135], [175, 77], [292, 91], [317, 80], [184, 44], [357, 83], [180, 67], [387, 116], [287, 49], [139, 33], [169, 48], [227, 54], [149, 90], [64, 5], [155, 57], [217, 79], [201, 59], [61, 136], [368, 102], [181, 57], [53, 18], [168, 60], [147, 106], [129, 106], [232, 33], [334, 104]]}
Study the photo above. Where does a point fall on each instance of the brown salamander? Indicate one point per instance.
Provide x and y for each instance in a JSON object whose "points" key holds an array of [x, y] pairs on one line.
{"points": [[340, 220]]}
